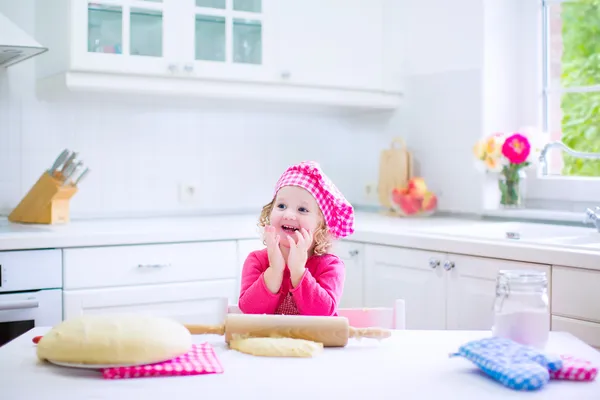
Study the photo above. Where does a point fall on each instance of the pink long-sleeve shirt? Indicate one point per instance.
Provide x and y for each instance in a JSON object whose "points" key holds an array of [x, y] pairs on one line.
{"points": [[317, 293]]}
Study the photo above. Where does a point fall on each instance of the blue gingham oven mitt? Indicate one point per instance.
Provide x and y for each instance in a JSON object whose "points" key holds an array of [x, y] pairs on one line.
{"points": [[512, 364]]}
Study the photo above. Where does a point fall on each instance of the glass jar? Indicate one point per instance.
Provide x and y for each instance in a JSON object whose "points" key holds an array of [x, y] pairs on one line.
{"points": [[521, 311]]}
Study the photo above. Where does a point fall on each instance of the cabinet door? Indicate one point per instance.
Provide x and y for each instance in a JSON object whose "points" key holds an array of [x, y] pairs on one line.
{"points": [[353, 256], [244, 247], [227, 39], [413, 275], [190, 302], [472, 289], [124, 36], [586, 331], [337, 43]]}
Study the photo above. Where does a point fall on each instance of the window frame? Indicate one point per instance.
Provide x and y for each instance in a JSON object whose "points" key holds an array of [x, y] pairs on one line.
{"points": [[553, 187]]}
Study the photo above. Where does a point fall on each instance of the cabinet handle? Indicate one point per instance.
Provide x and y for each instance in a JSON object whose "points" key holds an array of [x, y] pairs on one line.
{"points": [[448, 265], [433, 263], [172, 67], [188, 68], [153, 265], [353, 253], [286, 74]]}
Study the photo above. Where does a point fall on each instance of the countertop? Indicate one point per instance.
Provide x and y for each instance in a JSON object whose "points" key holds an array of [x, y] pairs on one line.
{"points": [[443, 234], [409, 365]]}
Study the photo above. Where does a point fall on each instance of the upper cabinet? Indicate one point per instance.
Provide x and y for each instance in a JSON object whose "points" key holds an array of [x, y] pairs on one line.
{"points": [[330, 43], [322, 52]]}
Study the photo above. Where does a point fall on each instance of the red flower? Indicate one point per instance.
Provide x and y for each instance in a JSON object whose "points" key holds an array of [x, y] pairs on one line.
{"points": [[516, 148]]}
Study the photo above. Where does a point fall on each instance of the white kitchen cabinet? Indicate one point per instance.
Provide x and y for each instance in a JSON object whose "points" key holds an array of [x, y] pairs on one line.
{"points": [[244, 248], [576, 303], [441, 291], [109, 266], [471, 289], [589, 332], [352, 254], [325, 52], [165, 38], [190, 302], [336, 43], [191, 282], [397, 273]]}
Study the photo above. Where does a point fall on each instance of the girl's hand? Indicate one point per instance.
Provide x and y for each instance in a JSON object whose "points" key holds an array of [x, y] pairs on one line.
{"points": [[276, 260], [299, 252]]}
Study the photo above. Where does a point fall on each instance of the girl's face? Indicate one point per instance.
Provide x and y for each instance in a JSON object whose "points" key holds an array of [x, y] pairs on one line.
{"points": [[294, 208]]}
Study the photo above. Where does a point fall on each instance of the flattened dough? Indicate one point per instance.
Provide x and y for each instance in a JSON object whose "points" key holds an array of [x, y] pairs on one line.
{"points": [[122, 339], [276, 347]]}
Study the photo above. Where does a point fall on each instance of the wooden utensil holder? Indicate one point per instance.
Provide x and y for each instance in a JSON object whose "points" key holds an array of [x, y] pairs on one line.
{"points": [[47, 202]]}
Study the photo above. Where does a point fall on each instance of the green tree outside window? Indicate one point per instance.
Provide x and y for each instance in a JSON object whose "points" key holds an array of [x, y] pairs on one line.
{"points": [[581, 67]]}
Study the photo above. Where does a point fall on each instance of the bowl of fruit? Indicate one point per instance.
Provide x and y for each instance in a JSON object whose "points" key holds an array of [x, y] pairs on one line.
{"points": [[414, 200]]}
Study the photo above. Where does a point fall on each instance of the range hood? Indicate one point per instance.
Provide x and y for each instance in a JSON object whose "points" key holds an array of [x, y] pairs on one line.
{"points": [[15, 44]]}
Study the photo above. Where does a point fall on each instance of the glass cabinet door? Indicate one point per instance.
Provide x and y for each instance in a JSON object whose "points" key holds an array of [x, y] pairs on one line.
{"points": [[229, 32], [124, 35]]}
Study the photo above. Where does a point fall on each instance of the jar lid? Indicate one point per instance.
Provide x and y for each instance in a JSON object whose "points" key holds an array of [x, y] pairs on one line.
{"points": [[523, 275], [521, 279]]}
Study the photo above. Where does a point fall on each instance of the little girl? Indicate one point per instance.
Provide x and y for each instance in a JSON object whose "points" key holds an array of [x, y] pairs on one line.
{"points": [[295, 274]]}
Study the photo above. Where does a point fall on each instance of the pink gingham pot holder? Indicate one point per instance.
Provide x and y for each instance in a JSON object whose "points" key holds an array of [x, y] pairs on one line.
{"points": [[575, 369], [337, 211], [200, 360]]}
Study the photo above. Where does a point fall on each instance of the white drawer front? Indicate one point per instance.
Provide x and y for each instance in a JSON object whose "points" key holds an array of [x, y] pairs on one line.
{"points": [[190, 302], [589, 332], [31, 269], [147, 264], [575, 293]]}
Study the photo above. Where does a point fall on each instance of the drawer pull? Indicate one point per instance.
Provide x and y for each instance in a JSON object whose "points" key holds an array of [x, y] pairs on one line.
{"points": [[18, 305], [153, 265]]}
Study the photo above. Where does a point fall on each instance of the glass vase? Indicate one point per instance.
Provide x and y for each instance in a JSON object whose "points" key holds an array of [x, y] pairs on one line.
{"points": [[512, 188]]}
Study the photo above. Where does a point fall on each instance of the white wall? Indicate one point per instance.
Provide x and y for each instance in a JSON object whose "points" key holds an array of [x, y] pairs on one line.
{"points": [[444, 91], [465, 80], [139, 154]]}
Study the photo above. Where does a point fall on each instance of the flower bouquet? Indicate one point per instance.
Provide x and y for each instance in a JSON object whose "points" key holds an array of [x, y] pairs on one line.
{"points": [[507, 155]]}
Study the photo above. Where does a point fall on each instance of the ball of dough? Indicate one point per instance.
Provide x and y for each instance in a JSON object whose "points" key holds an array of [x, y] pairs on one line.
{"points": [[276, 346], [117, 339]]}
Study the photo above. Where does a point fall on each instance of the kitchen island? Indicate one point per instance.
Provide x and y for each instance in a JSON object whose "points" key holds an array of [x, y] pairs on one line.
{"points": [[409, 365]]}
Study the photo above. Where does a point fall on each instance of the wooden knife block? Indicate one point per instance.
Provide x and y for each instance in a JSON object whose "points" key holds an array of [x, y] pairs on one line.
{"points": [[47, 202]]}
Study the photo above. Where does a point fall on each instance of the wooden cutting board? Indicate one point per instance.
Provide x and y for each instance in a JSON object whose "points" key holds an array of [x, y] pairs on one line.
{"points": [[395, 169]]}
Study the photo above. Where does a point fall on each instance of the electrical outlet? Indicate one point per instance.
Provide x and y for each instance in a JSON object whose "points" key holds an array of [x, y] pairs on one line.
{"points": [[189, 193], [371, 195]]}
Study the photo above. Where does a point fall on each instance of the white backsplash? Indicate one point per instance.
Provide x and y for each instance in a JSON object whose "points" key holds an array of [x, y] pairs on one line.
{"points": [[138, 155]]}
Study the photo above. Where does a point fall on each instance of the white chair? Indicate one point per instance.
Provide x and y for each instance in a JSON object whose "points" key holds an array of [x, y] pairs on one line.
{"points": [[381, 317]]}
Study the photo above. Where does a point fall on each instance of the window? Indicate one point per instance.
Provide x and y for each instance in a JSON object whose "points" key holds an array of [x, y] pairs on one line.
{"points": [[570, 99]]}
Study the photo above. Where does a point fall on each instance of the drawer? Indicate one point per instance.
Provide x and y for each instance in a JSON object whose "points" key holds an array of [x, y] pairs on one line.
{"points": [[575, 293], [30, 269], [203, 302], [588, 332], [148, 264]]}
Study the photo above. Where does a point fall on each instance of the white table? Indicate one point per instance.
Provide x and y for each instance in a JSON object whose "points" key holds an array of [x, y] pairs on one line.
{"points": [[409, 365]]}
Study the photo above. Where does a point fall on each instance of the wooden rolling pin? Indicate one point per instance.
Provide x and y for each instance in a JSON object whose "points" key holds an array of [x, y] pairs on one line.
{"points": [[331, 331]]}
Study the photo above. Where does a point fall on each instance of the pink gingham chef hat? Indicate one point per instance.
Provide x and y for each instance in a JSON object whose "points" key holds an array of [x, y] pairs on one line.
{"points": [[338, 212]]}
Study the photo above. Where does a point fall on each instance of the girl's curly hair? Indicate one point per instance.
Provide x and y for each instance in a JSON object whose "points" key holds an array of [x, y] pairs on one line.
{"points": [[321, 238]]}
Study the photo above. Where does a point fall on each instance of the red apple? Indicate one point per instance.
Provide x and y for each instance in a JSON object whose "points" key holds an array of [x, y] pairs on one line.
{"points": [[417, 186], [397, 194], [410, 204]]}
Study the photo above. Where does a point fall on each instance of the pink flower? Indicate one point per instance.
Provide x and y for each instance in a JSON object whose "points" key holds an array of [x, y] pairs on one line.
{"points": [[516, 148]]}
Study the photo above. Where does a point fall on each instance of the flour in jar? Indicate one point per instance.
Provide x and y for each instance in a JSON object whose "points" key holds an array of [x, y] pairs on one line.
{"points": [[528, 327]]}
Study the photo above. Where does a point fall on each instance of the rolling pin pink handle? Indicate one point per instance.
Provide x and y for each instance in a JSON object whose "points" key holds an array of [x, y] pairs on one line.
{"points": [[372, 333]]}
